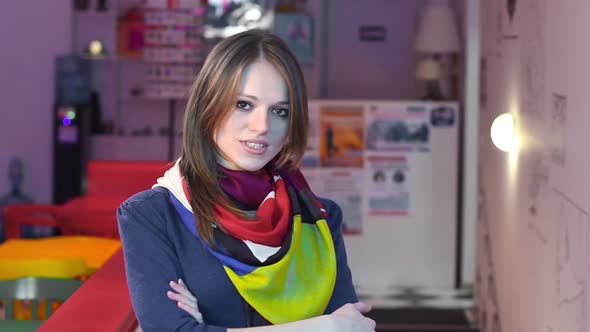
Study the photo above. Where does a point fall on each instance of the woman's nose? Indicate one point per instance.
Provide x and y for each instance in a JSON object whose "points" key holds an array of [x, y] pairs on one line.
{"points": [[259, 121]]}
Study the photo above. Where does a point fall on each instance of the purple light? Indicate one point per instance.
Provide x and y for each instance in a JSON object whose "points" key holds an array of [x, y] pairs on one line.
{"points": [[66, 121]]}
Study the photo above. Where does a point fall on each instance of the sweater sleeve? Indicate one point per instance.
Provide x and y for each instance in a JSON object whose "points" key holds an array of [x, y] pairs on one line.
{"points": [[150, 264], [343, 289]]}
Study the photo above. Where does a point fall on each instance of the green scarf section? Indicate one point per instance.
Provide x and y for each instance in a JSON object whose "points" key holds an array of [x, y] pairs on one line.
{"points": [[298, 286]]}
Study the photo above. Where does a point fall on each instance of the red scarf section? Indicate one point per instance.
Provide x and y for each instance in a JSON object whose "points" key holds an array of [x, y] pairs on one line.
{"points": [[273, 214]]}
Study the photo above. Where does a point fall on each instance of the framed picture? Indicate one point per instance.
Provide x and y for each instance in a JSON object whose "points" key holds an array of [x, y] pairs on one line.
{"points": [[296, 29]]}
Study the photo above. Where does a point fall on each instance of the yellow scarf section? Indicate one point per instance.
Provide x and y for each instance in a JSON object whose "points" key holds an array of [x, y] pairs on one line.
{"points": [[300, 285]]}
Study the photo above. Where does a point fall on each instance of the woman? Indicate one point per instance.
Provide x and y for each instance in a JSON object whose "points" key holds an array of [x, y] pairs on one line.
{"points": [[234, 221]]}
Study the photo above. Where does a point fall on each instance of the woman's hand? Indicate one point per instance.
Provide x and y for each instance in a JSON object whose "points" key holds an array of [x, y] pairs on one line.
{"points": [[185, 299], [350, 317]]}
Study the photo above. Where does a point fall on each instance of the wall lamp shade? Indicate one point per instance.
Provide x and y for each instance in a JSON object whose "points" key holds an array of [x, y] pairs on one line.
{"points": [[437, 32], [429, 70]]}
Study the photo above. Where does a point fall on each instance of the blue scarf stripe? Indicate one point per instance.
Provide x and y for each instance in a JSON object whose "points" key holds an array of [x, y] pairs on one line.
{"points": [[188, 220]]}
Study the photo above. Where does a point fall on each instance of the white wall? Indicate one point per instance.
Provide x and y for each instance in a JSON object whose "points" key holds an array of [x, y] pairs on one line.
{"points": [[413, 250], [32, 33], [533, 265]]}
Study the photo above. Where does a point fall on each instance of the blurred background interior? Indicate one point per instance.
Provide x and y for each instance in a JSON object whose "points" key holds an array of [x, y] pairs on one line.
{"points": [[445, 129]]}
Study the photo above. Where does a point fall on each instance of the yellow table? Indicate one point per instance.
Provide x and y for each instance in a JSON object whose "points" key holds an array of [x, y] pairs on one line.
{"points": [[55, 257]]}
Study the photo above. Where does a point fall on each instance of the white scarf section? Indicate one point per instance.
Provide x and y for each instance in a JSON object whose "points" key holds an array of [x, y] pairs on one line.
{"points": [[172, 180]]}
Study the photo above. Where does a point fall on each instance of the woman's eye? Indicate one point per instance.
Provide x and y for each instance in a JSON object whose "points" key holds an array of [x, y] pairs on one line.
{"points": [[282, 112], [244, 105]]}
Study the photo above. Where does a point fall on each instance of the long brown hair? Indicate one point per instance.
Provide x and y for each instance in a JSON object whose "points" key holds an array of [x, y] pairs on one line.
{"points": [[213, 96]]}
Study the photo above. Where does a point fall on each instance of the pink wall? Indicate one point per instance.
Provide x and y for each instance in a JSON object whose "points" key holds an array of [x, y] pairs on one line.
{"points": [[32, 33], [534, 230], [377, 70]]}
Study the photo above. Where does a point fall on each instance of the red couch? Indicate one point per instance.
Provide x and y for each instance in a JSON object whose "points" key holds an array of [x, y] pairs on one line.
{"points": [[108, 184]]}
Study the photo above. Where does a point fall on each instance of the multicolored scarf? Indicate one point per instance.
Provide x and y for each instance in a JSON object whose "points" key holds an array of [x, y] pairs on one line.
{"points": [[283, 264]]}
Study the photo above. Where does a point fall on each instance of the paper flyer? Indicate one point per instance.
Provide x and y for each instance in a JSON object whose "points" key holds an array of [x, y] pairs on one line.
{"points": [[311, 158], [388, 187], [343, 187], [342, 136], [404, 130], [442, 116]]}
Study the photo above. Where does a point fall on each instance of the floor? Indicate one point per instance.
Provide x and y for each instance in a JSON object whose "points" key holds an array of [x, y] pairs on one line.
{"points": [[396, 297], [415, 309]]}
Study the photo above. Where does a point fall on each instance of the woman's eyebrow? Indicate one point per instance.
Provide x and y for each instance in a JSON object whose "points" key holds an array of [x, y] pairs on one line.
{"points": [[256, 98], [249, 96]]}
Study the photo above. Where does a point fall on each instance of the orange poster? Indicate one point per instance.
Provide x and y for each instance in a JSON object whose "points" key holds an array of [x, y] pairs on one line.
{"points": [[342, 136]]}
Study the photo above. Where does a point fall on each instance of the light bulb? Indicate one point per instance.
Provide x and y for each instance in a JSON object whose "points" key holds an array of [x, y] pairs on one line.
{"points": [[95, 47], [503, 133]]}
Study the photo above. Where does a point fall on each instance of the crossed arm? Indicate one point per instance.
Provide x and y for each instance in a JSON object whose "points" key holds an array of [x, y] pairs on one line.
{"points": [[349, 317]]}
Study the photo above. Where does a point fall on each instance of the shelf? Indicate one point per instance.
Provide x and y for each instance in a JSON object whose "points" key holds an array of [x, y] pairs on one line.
{"points": [[110, 58], [149, 99], [94, 13], [116, 74], [138, 60]]}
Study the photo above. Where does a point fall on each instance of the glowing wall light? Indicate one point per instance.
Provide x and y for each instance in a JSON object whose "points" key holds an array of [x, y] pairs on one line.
{"points": [[96, 48], [503, 133]]}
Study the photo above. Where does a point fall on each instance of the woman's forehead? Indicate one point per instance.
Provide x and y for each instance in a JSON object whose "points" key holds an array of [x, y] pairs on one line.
{"points": [[262, 81]]}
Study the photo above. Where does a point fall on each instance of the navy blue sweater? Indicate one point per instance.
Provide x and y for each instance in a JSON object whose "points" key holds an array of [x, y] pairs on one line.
{"points": [[159, 248]]}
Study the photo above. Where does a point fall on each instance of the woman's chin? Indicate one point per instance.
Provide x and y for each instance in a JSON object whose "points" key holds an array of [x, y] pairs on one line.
{"points": [[252, 167]]}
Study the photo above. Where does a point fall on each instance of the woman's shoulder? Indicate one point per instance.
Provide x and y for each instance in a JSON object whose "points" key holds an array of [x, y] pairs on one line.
{"points": [[148, 205], [146, 198]]}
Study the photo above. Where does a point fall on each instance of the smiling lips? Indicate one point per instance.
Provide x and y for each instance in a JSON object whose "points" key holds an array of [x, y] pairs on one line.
{"points": [[256, 147]]}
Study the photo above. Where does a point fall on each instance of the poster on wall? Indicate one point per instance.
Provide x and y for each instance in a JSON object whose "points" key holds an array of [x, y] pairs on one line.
{"points": [[442, 116], [341, 136], [341, 186], [296, 29], [388, 188], [311, 157], [398, 130]]}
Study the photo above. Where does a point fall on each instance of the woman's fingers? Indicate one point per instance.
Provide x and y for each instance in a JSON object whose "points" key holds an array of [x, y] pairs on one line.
{"points": [[185, 299], [191, 311], [186, 305], [372, 324], [183, 290], [362, 307], [181, 299], [354, 312]]}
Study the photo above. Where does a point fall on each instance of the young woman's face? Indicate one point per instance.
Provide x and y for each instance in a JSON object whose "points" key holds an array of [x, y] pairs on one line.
{"points": [[256, 129]]}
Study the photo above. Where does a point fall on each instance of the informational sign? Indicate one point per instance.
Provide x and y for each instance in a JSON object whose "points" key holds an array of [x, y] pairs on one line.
{"points": [[341, 186], [388, 189]]}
